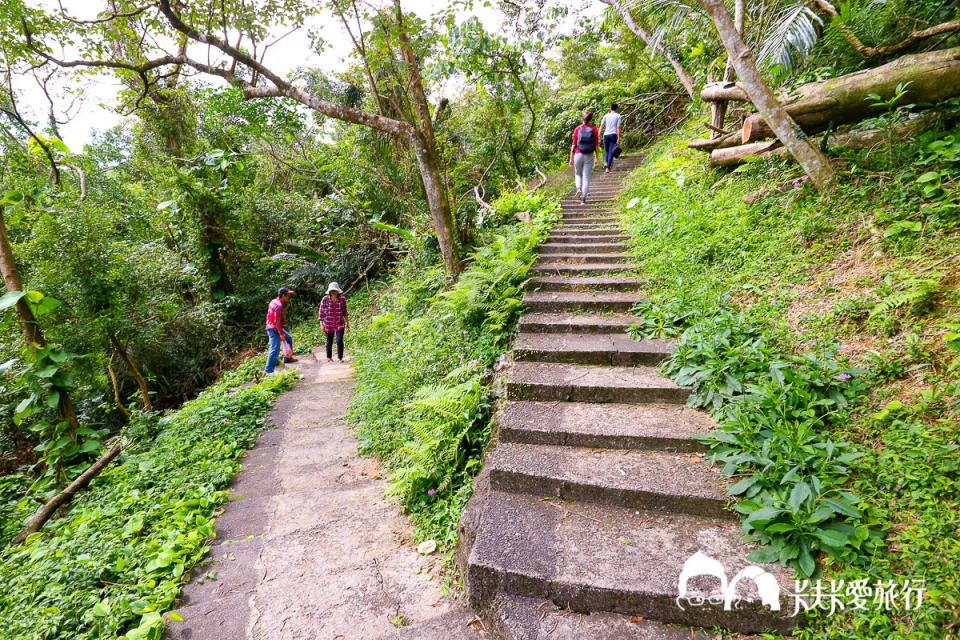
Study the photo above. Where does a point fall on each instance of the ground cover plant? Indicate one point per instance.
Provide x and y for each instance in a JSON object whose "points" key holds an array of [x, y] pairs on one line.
{"points": [[820, 331], [424, 364], [113, 565]]}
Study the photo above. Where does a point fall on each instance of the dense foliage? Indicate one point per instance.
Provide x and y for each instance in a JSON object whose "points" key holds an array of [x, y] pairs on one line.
{"points": [[425, 363], [831, 368], [117, 561]]}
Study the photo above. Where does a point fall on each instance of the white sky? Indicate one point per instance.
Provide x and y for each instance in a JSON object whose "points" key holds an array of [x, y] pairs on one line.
{"points": [[94, 111]]}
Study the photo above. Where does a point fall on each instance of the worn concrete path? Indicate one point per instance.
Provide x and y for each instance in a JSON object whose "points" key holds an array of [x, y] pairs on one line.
{"points": [[309, 547]]}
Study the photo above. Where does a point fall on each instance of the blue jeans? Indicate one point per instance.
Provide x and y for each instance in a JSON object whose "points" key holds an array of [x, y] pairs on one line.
{"points": [[274, 352], [609, 144]]}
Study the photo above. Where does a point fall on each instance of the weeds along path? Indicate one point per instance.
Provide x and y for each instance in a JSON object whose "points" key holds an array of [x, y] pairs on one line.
{"points": [[309, 547]]}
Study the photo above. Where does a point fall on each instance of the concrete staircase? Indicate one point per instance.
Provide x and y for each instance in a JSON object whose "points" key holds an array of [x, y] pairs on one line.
{"points": [[596, 494]]}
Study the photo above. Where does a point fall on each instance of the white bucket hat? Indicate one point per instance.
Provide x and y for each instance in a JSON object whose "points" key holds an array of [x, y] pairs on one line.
{"points": [[334, 287]]}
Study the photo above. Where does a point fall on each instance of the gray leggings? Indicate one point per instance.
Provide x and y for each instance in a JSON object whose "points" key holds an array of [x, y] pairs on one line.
{"points": [[582, 166]]}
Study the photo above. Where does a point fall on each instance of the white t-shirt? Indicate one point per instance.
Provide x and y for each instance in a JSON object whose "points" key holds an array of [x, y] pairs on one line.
{"points": [[610, 122]]}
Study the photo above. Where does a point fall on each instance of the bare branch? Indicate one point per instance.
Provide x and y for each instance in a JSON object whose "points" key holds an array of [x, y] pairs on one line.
{"points": [[110, 18], [867, 52]]}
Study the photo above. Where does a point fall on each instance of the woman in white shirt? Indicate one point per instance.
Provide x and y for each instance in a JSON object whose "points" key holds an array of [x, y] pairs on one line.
{"points": [[610, 123]]}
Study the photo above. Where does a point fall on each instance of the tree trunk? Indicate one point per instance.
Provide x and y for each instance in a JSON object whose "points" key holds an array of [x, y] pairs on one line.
{"points": [[728, 157], [134, 371], [719, 109], [933, 76], [38, 519], [32, 335], [428, 159], [685, 79], [810, 158], [116, 387]]}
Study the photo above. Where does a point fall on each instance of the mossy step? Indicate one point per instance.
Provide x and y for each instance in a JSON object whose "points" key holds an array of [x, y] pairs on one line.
{"points": [[553, 323], [518, 618], [606, 426], [591, 557], [590, 348], [585, 247], [589, 283], [576, 237], [591, 383], [560, 301], [581, 269], [664, 481], [573, 257]]}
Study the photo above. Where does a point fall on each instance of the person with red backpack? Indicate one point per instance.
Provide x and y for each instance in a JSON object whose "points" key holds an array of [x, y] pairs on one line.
{"points": [[584, 143]]}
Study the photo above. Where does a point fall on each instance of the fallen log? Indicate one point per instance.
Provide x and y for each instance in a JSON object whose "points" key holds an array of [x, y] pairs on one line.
{"points": [[709, 144], [733, 156], [923, 77], [724, 92], [45, 512]]}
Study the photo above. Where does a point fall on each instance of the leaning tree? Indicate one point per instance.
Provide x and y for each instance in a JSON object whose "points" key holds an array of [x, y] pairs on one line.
{"points": [[229, 39]]}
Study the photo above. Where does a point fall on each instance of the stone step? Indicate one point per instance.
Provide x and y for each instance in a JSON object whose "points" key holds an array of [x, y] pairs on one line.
{"points": [[589, 221], [595, 231], [572, 257], [554, 323], [580, 212], [662, 481], [577, 237], [603, 558], [518, 618], [590, 383], [560, 301], [590, 348], [586, 228], [559, 283], [607, 426], [585, 247], [580, 269], [591, 200]]}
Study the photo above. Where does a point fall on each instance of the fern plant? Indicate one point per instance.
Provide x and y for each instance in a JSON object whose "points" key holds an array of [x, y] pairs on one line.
{"points": [[915, 291], [444, 422]]}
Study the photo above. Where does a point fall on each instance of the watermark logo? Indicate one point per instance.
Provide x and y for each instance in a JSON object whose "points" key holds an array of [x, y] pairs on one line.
{"points": [[830, 596], [700, 564]]}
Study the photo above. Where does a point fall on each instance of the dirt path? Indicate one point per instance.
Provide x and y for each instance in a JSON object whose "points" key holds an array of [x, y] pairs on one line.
{"points": [[308, 547]]}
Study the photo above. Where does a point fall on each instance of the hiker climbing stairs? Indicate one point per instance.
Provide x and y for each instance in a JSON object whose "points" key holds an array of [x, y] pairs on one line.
{"points": [[597, 492]]}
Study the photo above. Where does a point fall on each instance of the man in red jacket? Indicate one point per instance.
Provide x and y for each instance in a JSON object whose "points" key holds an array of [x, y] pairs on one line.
{"points": [[275, 331]]}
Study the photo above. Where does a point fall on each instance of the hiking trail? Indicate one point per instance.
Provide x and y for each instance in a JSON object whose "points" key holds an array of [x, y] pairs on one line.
{"points": [[308, 547], [596, 492]]}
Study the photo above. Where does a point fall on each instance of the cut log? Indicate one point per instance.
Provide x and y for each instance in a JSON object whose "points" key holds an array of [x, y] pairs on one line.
{"points": [[709, 144], [736, 155], [733, 156], [932, 76], [723, 92], [45, 512]]}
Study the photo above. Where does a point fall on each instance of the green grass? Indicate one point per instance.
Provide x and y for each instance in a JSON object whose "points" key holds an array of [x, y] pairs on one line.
{"points": [[861, 277], [113, 565], [424, 365]]}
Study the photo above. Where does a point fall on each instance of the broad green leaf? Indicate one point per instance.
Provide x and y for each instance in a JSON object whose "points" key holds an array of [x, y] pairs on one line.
{"points": [[798, 496], [832, 538], [10, 298], [764, 555]]}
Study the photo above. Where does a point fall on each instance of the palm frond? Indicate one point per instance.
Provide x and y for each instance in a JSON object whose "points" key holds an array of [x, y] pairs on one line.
{"points": [[792, 33]]}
